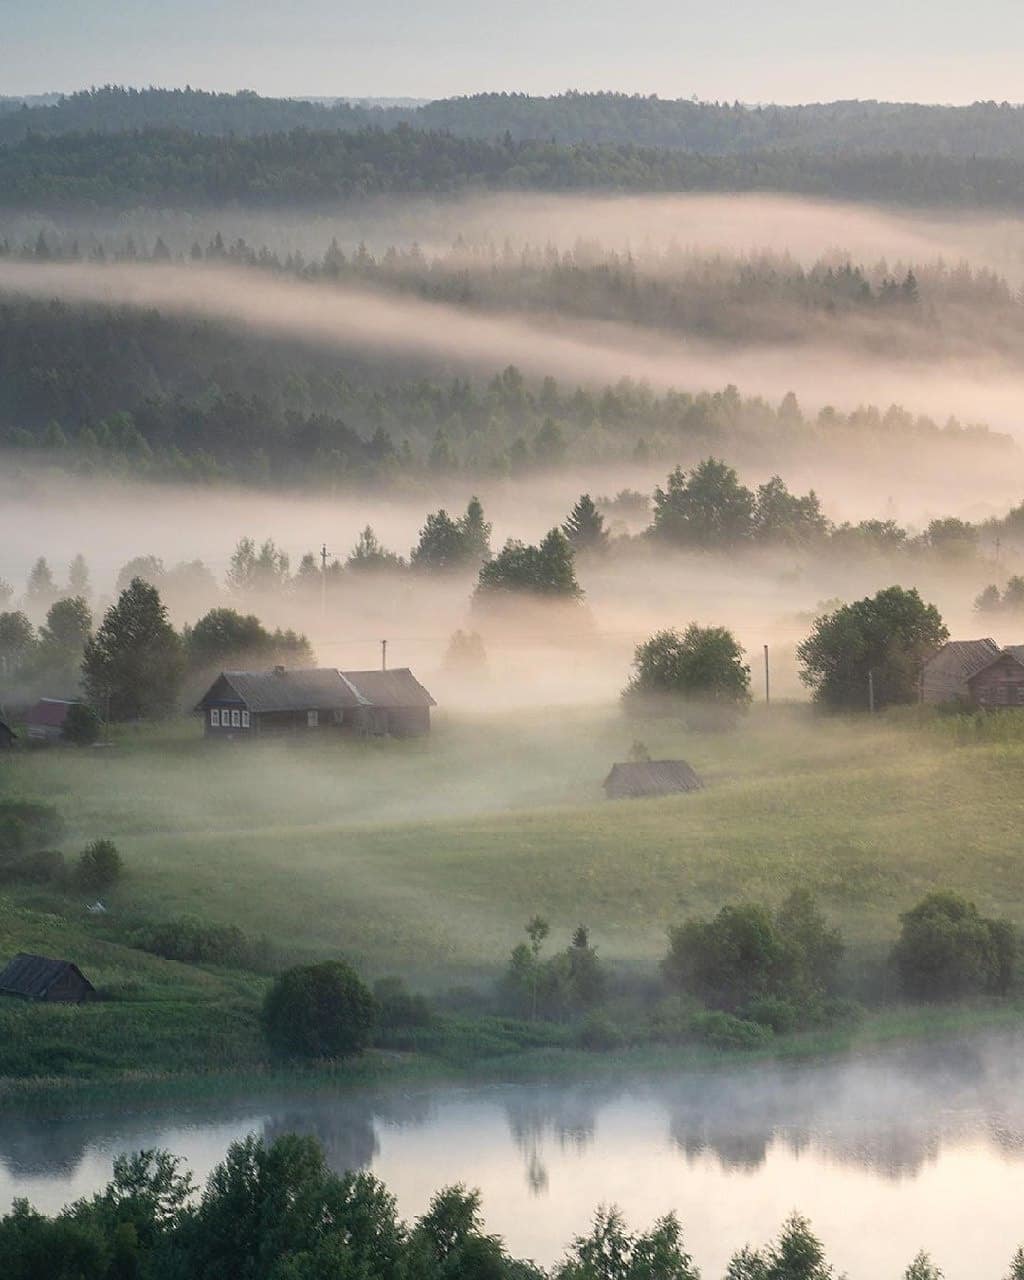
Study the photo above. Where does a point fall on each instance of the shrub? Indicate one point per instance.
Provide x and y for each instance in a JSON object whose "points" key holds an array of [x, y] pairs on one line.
{"points": [[946, 948], [192, 941], [81, 725], [99, 866], [777, 1015], [319, 1011], [598, 1032], [744, 955], [398, 1008], [724, 1031]]}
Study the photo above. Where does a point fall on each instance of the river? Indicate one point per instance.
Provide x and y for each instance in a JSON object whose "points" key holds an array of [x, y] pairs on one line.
{"points": [[886, 1153]]}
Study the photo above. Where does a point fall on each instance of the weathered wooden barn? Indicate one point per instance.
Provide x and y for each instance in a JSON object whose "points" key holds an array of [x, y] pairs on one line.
{"points": [[945, 675], [40, 978], [1000, 683], [45, 721], [7, 736], [313, 699], [650, 778]]}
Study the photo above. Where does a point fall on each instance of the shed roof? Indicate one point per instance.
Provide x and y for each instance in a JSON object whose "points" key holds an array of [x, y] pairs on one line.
{"points": [[395, 688], [1015, 652], [50, 712], [962, 659], [33, 976], [652, 778]]}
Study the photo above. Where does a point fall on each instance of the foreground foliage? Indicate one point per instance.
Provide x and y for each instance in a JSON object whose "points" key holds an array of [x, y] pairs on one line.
{"points": [[279, 1213]]}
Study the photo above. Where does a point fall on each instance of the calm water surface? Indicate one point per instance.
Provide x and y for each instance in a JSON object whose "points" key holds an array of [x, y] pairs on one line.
{"points": [[886, 1154]]}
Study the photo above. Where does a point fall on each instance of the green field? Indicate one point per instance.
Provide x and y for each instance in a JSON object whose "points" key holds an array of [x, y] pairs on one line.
{"points": [[426, 859]]}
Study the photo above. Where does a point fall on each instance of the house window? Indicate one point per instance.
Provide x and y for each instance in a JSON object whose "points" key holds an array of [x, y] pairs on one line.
{"points": [[245, 719], [312, 719], [236, 719], [215, 718]]}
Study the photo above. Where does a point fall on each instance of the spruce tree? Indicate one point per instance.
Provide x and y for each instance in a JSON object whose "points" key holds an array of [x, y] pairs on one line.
{"points": [[133, 665], [585, 526]]}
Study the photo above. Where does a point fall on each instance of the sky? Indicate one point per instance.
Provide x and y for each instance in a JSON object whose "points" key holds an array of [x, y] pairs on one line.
{"points": [[751, 50]]}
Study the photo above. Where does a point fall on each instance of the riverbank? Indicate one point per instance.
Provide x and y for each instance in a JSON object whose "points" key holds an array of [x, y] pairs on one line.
{"points": [[904, 1026]]}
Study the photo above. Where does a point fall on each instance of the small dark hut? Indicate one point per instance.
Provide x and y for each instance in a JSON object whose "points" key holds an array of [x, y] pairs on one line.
{"points": [[40, 978], [45, 721], [650, 778], [7, 736]]}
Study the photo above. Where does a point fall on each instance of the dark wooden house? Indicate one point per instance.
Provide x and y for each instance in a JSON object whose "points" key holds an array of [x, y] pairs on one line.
{"points": [[1000, 683], [40, 978], [315, 699], [45, 721], [650, 778], [7, 736]]}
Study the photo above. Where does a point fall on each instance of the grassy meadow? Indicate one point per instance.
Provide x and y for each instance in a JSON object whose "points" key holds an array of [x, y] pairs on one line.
{"points": [[425, 859]]}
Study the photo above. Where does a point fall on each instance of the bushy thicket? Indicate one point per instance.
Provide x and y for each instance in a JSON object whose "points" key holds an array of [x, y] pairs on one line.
{"points": [[319, 1011], [946, 948]]}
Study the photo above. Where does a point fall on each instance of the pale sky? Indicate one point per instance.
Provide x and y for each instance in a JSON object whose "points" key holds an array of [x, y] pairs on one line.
{"points": [[753, 50]]}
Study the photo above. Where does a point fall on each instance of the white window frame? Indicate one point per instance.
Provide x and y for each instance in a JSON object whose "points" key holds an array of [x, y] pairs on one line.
{"points": [[312, 719], [215, 718], [236, 719], [245, 719]]}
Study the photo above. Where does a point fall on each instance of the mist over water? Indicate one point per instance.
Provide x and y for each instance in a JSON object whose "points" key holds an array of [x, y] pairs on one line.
{"points": [[886, 1153]]}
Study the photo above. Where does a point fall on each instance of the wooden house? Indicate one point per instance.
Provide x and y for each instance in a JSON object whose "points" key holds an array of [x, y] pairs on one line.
{"points": [[7, 736], [40, 978], [45, 721], [945, 675], [243, 704], [1000, 683], [650, 778]]}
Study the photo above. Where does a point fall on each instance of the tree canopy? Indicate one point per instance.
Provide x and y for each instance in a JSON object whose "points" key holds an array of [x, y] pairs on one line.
{"points": [[133, 665]]}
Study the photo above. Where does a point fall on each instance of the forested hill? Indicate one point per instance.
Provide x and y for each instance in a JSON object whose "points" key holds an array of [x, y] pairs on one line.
{"points": [[985, 129], [305, 169]]}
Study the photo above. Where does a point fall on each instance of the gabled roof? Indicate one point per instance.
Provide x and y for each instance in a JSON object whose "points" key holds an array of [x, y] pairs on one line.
{"points": [[961, 659], [294, 689], [50, 712], [1014, 652], [395, 688], [317, 689], [33, 976], [652, 778]]}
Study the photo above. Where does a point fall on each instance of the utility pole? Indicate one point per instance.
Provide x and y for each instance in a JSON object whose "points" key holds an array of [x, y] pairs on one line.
{"points": [[323, 580], [871, 692], [383, 655], [999, 545], [767, 680]]}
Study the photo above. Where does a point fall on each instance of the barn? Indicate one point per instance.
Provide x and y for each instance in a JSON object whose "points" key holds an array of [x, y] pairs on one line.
{"points": [[650, 778], [45, 721], [40, 978], [1000, 683], [945, 675], [243, 704]]}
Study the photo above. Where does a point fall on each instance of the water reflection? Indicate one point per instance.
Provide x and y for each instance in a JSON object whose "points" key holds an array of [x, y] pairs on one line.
{"points": [[891, 1114]]}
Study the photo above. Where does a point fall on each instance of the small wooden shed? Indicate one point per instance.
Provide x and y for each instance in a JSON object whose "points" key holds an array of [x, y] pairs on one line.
{"points": [[40, 978], [45, 721], [1000, 683], [650, 778]]}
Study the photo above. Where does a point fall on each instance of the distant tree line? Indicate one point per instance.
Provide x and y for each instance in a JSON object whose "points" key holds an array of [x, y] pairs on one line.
{"points": [[686, 124], [307, 168]]}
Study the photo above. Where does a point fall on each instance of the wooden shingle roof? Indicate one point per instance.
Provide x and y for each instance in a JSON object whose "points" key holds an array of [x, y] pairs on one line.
{"points": [[652, 778], [317, 688], [33, 976]]}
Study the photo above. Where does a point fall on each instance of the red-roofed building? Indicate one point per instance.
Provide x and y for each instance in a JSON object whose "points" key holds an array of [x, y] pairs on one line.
{"points": [[45, 721]]}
